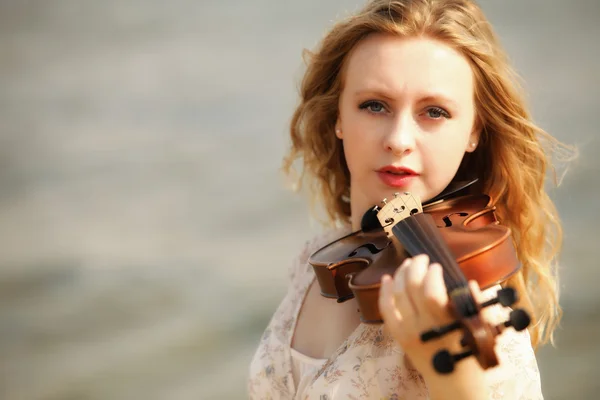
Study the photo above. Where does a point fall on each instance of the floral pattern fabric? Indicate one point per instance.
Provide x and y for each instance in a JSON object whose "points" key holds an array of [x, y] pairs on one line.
{"points": [[370, 364]]}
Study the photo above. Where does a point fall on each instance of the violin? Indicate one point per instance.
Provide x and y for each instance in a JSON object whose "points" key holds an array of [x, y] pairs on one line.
{"points": [[460, 232]]}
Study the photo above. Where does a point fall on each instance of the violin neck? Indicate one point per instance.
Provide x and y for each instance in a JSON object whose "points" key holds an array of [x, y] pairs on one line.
{"points": [[420, 235]]}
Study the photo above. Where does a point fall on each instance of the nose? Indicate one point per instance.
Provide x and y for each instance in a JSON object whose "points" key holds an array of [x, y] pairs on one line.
{"points": [[400, 139]]}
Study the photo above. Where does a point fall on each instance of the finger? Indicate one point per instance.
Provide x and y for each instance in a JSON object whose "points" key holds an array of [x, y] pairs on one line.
{"points": [[435, 293], [476, 291], [387, 304], [401, 269], [401, 296], [398, 278], [493, 313], [414, 277]]}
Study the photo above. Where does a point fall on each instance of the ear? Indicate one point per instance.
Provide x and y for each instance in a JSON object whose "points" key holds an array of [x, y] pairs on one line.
{"points": [[472, 144], [338, 130], [474, 138]]}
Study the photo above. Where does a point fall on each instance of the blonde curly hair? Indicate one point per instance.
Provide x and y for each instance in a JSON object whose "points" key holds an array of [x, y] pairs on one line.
{"points": [[512, 158]]}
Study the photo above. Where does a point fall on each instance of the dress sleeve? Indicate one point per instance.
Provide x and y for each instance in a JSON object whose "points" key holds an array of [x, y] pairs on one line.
{"points": [[517, 376]]}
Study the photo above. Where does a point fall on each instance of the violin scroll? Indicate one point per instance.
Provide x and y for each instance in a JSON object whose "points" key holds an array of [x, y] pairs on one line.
{"points": [[444, 361]]}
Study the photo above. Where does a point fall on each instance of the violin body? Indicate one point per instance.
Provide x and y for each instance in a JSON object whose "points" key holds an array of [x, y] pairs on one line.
{"points": [[353, 266]]}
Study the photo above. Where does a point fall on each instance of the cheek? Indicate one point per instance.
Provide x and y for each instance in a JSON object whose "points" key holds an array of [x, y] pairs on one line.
{"points": [[355, 152], [444, 157], [360, 145]]}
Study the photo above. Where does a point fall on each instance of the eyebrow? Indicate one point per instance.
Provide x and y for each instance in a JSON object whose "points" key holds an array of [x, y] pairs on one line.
{"points": [[372, 91], [427, 97], [435, 97]]}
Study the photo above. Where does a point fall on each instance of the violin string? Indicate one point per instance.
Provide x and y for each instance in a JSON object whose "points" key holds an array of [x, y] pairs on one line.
{"points": [[428, 240], [440, 256], [452, 266], [444, 257], [463, 300]]}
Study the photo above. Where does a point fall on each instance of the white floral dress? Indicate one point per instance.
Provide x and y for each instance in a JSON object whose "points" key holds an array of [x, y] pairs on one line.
{"points": [[369, 364]]}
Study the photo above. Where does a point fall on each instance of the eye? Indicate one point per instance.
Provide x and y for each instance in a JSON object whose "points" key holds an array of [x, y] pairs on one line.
{"points": [[373, 106], [437, 113]]}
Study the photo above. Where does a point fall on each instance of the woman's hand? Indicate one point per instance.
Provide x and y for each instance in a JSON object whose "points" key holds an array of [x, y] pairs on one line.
{"points": [[414, 301]]}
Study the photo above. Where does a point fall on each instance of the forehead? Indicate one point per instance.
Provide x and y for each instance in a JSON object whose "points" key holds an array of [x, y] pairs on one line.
{"points": [[405, 66]]}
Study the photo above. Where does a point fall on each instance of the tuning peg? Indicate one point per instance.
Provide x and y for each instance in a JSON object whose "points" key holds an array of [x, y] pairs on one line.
{"points": [[518, 319], [384, 201], [396, 195], [438, 332], [507, 297], [443, 361]]}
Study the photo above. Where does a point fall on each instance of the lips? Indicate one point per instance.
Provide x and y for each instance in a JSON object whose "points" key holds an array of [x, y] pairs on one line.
{"points": [[396, 177], [391, 169]]}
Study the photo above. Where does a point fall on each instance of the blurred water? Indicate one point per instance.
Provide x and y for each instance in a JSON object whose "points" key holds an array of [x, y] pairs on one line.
{"points": [[145, 229]]}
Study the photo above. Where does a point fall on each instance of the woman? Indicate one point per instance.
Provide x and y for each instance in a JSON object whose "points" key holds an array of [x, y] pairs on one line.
{"points": [[410, 95]]}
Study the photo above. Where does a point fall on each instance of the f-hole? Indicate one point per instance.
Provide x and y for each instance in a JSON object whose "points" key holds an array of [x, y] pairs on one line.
{"points": [[369, 246], [448, 221]]}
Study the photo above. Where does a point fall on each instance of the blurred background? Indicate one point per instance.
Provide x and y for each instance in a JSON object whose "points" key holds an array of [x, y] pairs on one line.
{"points": [[145, 229]]}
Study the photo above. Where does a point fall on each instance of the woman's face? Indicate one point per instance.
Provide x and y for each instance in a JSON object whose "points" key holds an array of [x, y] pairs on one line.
{"points": [[406, 118]]}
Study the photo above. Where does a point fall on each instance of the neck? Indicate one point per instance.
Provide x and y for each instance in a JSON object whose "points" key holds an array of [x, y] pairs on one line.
{"points": [[359, 204], [356, 216]]}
